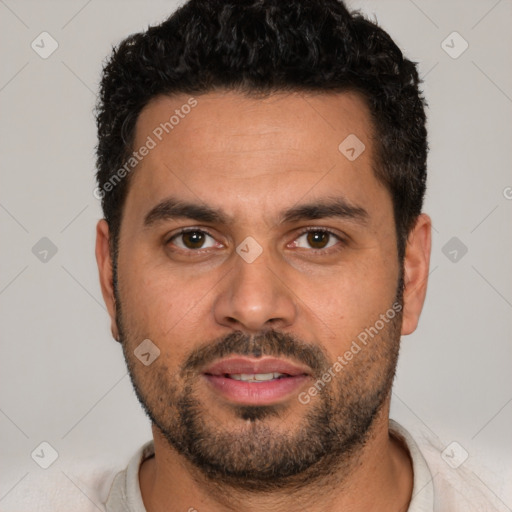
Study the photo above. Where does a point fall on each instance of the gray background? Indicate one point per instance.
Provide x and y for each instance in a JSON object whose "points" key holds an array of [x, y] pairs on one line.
{"points": [[62, 377]]}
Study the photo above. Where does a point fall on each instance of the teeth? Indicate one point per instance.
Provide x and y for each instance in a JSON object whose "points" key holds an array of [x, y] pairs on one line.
{"points": [[255, 377]]}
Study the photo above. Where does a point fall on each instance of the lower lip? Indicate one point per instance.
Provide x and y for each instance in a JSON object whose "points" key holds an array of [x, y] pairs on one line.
{"points": [[256, 393]]}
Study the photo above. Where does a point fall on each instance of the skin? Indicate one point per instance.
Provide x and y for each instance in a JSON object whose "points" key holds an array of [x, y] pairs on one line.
{"points": [[254, 158]]}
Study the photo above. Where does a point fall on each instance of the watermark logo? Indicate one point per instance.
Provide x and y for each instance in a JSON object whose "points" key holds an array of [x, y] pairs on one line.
{"points": [[44, 45], [454, 455], [352, 147], [147, 352], [249, 249], [44, 455], [454, 249], [454, 45], [44, 250]]}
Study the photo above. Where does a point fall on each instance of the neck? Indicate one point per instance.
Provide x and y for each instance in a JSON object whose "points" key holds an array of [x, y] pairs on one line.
{"points": [[377, 477]]}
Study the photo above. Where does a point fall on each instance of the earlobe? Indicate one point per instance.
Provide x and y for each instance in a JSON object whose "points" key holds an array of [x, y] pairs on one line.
{"points": [[105, 269], [416, 270]]}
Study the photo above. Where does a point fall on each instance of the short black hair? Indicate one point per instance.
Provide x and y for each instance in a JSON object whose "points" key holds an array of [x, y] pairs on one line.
{"points": [[262, 47]]}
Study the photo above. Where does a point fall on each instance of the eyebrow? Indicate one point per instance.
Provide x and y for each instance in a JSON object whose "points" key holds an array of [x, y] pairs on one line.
{"points": [[333, 207]]}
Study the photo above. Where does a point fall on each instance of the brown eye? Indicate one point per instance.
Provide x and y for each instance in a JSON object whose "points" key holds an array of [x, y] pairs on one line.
{"points": [[316, 239], [193, 239]]}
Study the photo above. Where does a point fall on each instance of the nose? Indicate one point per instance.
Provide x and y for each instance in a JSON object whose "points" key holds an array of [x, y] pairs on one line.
{"points": [[254, 297]]}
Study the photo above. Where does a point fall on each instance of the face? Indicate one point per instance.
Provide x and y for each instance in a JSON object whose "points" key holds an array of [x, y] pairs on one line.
{"points": [[262, 262]]}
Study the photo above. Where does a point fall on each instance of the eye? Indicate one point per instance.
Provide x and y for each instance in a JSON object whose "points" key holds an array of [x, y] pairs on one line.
{"points": [[193, 239], [317, 239]]}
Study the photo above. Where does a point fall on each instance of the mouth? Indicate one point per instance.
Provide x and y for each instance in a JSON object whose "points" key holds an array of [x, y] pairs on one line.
{"points": [[256, 377], [255, 382]]}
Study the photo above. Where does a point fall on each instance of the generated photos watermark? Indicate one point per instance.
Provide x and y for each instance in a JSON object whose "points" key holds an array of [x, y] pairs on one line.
{"points": [[356, 346], [151, 143]]}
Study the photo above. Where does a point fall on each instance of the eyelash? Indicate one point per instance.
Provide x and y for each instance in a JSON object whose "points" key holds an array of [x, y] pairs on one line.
{"points": [[341, 240]]}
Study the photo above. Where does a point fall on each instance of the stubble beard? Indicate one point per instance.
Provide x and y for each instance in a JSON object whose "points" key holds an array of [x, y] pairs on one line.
{"points": [[325, 438], [327, 434]]}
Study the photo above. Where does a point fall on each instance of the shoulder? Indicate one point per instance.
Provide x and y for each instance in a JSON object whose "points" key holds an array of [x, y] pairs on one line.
{"points": [[62, 490], [85, 485], [453, 479]]}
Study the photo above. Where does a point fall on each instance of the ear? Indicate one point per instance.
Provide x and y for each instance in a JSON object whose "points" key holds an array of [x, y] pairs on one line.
{"points": [[104, 260], [416, 268]]}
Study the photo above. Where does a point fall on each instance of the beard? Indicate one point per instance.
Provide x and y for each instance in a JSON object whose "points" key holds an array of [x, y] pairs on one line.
{"points": [[268, 447]]}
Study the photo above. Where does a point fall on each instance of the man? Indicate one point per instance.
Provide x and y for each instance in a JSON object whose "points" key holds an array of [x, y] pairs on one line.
{"points": [[262, 167]]}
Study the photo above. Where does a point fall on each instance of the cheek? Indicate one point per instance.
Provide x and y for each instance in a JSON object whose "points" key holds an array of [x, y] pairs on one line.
{"points": [[352, 298], [151, 303], [159, 305], [165, 306]]}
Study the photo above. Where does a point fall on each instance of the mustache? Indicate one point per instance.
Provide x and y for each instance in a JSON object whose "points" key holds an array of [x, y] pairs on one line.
{"points": [[271, 343]]}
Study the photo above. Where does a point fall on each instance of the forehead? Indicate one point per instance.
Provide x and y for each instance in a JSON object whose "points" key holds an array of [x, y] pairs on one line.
{"points": [[234, 121], [227, 149]]}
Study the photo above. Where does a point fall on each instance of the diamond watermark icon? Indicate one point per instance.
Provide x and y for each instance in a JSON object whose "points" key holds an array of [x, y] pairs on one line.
{"points": [[454, 455], [454, 249], [249, 249], [147, 352], [351, 147], [44, 455], [454, 45], [44, 45], [44, 250]]}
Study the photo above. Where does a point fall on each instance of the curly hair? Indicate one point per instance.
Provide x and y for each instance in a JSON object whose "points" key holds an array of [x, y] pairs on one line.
{"points": [[261, 47]]}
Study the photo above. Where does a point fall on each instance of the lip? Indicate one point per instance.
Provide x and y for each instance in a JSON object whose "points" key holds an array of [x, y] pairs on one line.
{"points": [[248, 365], [255, 393]]}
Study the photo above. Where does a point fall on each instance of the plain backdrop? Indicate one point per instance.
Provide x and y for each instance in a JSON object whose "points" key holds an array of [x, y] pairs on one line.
{"points": [[63, 379]]}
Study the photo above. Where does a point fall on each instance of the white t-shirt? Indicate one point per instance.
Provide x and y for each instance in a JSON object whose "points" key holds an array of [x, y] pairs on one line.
{"points": [[438, 486]]}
